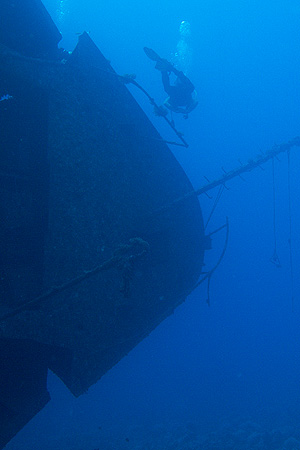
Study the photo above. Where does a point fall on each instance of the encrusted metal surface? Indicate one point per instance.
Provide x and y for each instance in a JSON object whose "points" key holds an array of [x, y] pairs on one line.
{"points": [[101, 176]]}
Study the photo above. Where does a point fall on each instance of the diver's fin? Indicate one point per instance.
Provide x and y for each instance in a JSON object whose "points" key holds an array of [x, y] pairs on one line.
{"points": [[152, 54], [161, 64]]}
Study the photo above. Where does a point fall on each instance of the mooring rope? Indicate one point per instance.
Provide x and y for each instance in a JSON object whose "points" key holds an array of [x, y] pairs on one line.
{"points": [[129, 79], [274, 259], [290, 229], [123, 255]]}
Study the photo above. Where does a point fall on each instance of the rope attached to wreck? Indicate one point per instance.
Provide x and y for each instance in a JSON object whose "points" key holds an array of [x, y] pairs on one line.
{"points": [[123, 258], [182, 296], [209, 274], [125, 79], [248, 167], [290, 230], [129, 79]]}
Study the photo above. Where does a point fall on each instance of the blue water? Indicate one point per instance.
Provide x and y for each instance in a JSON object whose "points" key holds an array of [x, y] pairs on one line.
{"points": [[239, 358]]}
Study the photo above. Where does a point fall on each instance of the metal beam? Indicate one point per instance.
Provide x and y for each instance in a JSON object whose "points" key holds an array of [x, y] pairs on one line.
{"points": [[252, 164]]}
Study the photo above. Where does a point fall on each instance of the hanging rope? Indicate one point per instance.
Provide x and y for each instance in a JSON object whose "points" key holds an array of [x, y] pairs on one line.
{"points": [[274, 259], [220, 192], [290, 229], [252, 164], [209, 274]]}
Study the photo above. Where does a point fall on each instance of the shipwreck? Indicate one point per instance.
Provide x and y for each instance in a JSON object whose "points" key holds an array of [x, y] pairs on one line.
{"points": [[90, 261], [101, 232]]}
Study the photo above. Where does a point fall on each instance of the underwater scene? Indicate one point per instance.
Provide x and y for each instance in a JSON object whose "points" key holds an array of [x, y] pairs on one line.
{"points": [[149, 232]]}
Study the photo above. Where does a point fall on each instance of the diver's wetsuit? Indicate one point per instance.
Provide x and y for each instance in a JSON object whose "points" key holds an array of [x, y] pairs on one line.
{"points": [[180, 94]]}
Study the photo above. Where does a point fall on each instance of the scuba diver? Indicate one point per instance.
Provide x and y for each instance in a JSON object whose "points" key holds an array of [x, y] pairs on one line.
{"points": [[182, 95]]}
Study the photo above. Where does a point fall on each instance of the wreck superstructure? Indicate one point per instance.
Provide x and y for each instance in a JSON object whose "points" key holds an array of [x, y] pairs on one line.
{"points": [[85, 178]]}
